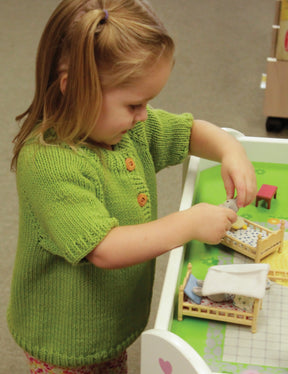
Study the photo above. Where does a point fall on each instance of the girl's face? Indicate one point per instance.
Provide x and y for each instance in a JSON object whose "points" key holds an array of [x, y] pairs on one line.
{"points": [[123, 107]]}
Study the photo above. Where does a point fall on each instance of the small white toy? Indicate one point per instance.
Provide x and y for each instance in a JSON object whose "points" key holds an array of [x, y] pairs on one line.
{"points": [[232, 204]]}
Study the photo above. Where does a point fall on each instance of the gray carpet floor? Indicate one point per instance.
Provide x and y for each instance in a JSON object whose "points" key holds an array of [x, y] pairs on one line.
{"points": [[221, 54]]}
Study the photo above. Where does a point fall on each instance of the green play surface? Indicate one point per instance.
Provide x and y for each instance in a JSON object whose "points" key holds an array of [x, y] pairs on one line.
{"points": [[210, 189]]}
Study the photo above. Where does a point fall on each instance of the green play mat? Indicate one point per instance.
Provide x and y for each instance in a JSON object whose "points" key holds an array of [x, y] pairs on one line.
{"points": [[210, 189]]}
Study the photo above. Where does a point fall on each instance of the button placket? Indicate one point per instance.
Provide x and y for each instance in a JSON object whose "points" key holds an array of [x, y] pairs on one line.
{"points": [[142, 198]]}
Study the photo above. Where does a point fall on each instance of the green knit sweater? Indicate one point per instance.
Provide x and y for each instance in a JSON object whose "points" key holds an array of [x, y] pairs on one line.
{"points": [[64, 310]]}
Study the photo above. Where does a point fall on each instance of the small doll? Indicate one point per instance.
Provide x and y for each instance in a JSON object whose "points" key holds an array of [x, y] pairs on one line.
{"points": [[217, 298], [232, 204]]}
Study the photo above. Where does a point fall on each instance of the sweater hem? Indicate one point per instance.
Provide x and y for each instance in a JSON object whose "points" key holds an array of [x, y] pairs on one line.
{"points": [[66, 361]]}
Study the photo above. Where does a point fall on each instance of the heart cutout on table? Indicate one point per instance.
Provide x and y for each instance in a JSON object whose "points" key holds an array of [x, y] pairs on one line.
{"points": [[165, 366]]}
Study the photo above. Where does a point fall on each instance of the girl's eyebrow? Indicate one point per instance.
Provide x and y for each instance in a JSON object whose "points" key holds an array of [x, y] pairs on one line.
{"points": [[140, 102]]}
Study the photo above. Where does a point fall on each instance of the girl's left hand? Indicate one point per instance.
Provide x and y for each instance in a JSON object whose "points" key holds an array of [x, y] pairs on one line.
{"points": [[238, 174]]}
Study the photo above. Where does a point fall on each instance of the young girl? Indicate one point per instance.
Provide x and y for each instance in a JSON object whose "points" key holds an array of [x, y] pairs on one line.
{"points": [[86, 158]]}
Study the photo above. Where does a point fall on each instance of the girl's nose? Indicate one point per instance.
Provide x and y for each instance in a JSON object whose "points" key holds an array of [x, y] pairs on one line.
{"points": [[141, 114]]}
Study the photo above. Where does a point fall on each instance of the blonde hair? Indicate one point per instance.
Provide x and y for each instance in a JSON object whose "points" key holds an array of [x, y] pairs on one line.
{"points": [[100, 44]]}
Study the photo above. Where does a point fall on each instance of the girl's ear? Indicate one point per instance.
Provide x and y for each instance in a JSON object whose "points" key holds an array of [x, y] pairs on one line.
{"points": [[63, 82]]}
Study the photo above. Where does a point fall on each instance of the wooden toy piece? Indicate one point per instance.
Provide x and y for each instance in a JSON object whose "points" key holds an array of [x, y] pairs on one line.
{"points": [[214, 312], [272, 242], [266, 193], [275, 275]]}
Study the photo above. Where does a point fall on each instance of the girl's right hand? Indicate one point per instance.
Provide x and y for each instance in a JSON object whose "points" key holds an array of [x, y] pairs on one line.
{"points": [[204, 222], [209, 223]]}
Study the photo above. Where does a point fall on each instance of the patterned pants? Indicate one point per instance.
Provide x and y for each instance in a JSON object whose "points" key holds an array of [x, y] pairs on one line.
{"points": [[115, 366]]}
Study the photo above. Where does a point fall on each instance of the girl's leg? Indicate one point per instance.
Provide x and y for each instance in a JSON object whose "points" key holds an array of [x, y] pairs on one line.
{"points": [[115, 366]]}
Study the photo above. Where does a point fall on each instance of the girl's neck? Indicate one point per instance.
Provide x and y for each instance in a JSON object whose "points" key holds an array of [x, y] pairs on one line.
{"points": [[101, 145]]}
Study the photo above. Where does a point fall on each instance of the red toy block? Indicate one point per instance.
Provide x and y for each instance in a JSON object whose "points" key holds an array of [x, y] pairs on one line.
{"points": [[266, 193]]}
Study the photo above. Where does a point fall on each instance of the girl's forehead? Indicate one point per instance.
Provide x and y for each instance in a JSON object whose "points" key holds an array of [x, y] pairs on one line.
{"points": [[147, 87]]}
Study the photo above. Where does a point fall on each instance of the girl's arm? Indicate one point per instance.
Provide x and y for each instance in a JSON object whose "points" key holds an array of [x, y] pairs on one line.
{"points": [[130, 245], [211, 142]]}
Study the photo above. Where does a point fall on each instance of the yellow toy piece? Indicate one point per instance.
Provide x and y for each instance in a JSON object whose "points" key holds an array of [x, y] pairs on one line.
{"points": [[239, 224]]}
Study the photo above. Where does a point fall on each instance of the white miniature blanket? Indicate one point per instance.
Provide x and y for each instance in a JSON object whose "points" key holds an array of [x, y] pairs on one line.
{"points": [[238, 279]]}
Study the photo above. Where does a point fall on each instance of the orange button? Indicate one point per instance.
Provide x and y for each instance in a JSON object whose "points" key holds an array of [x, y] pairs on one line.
{"points": [[142, 199], [130, 164]]}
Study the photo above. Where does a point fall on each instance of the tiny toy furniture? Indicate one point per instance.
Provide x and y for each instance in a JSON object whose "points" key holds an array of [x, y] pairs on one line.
{"points": [[256, 241], [226, 311], [266, 193]]}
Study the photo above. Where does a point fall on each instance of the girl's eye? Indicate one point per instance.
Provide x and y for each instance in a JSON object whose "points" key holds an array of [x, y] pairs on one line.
{"points": [[134, 107]]}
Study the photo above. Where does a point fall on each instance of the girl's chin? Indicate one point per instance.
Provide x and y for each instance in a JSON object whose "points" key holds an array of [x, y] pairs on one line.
{"points": [[114, 141]]}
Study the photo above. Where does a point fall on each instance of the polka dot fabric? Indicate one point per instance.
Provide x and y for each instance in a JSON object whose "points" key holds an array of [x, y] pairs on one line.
{"points": [[248, 236]]}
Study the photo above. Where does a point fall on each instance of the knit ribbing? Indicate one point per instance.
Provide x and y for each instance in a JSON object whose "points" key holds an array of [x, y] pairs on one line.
{"points": [[64, 310]]}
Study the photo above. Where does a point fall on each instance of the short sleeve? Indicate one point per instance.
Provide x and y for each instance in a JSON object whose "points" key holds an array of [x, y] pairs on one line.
{"points": [[168, 136], [61, 193]]}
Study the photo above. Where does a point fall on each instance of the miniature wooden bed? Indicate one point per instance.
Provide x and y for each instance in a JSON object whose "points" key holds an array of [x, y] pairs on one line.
{"points": [[216, 312], [267, 242]]}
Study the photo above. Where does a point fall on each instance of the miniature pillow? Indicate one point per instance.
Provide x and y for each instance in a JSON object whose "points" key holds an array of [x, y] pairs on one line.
{"points": [[192, 282], [244, 303]]}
